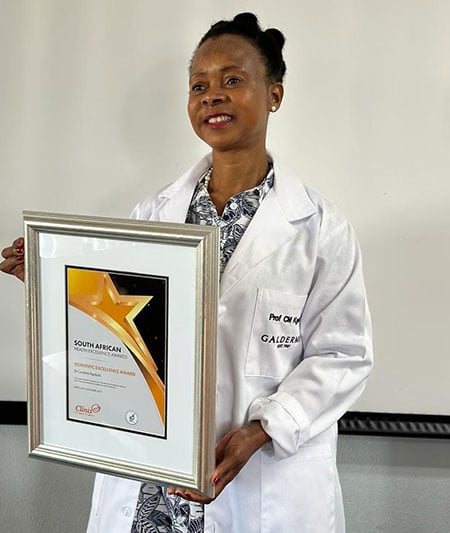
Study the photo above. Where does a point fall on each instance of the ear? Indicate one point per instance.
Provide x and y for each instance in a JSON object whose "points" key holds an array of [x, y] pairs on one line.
{"points": [[276, 92]]}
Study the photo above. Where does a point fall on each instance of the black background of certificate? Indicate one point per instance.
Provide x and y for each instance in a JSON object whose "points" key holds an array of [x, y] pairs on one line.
{"points": [[152, 320]]}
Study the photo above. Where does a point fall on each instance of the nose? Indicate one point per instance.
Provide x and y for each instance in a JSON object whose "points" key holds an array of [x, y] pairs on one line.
{"points": [[213, 96], [207, 100]]}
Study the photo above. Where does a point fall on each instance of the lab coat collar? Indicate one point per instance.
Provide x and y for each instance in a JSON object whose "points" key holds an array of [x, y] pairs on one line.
{"points": [[178, 194], [292, 195]]}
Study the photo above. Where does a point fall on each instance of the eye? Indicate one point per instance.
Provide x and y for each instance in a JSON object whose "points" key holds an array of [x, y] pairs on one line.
{"points": [[197, 87], [233, 80]]}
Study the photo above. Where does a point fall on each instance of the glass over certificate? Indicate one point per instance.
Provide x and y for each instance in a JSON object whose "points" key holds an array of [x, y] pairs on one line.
{"points": [[121, 334], [117, 349]]}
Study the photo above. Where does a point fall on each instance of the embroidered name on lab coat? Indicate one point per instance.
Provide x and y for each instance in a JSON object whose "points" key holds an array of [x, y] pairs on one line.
{"points": [[282, 341], [287, 319]]}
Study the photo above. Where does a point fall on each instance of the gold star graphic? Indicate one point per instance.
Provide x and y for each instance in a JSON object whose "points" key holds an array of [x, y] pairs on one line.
{"points": [[95, 294]]}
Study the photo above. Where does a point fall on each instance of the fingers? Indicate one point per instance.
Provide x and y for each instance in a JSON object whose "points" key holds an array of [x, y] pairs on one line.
{"points": [[19, 271], [225, 471], [15, 250], [223, 443], [234, 450], [190, 495], [232, 453], [225, 475], [19, 243], [220, 452], [14, 259], [14, 266]]}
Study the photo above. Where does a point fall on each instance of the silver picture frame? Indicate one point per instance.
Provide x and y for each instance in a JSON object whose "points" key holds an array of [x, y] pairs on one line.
{"points": [[89, 398]]}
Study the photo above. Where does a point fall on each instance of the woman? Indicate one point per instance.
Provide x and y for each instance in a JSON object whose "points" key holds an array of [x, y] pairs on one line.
{"points": [[294, 346]]}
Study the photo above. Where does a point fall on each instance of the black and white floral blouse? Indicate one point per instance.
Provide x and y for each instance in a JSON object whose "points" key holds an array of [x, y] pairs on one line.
{"points": [[236, 216]]}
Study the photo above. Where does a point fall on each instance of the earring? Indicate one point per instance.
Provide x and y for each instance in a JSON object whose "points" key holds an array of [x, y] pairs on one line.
{"points": [[273, 108]]}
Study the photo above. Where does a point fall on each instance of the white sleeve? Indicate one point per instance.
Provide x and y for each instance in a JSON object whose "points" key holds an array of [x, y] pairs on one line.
{"points": [[337, 340]]}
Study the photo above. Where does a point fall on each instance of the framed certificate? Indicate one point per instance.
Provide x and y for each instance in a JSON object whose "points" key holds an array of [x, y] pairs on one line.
{"points": [[122, 323]]}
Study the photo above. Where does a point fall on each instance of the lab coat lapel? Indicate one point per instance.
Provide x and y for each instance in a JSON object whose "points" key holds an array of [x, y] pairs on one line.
{"points": [[178, 195], [176, 209], [270, 228]]}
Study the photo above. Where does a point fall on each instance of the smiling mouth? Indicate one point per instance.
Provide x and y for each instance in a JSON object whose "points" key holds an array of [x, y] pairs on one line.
{"points": [[218, 119]]}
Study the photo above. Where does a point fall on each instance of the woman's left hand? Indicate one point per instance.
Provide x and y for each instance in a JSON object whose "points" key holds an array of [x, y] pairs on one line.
{"points": [[232, 453]]}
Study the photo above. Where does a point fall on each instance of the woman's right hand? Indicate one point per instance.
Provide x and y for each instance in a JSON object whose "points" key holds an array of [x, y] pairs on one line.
{"points": [[13, 259]]}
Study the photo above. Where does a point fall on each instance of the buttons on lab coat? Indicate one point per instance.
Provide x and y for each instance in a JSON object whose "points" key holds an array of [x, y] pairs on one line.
{"points": [[126, 511]]}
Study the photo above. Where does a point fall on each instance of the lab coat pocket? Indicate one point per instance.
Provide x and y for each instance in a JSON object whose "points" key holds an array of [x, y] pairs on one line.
{"points": [[274, 347], [299, 492]]}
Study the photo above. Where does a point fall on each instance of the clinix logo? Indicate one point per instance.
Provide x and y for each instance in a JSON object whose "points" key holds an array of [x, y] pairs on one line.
{"points": [[89, 411]]}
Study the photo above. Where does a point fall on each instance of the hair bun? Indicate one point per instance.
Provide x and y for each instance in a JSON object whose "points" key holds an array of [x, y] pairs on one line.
{"points": [[269, 43], [249, 20], [277, 36]]}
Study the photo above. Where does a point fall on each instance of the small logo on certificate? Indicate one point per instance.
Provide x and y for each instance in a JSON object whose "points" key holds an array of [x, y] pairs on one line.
{"points": [[131, 417]]}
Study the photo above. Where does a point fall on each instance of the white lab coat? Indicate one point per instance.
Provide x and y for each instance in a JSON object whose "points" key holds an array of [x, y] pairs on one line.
{"points": [[298, 259]]}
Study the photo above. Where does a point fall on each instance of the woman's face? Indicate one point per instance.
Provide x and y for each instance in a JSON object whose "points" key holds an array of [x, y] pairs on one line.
{"points": [[229, 94]]}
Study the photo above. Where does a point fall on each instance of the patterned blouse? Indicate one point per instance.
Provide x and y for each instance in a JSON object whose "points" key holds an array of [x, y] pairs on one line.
{"points": [[236, 216], [157, 511]]}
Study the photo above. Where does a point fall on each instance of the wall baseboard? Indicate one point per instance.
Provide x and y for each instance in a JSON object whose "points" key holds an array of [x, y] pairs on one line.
{"points": [[13, 413], [352, 423]]}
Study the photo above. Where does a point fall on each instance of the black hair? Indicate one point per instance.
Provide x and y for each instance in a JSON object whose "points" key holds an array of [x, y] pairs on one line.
{"points": [[268, 43]]}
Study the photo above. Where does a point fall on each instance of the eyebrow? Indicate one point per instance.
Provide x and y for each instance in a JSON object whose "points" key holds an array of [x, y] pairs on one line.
{"points": [[224, 69]]}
